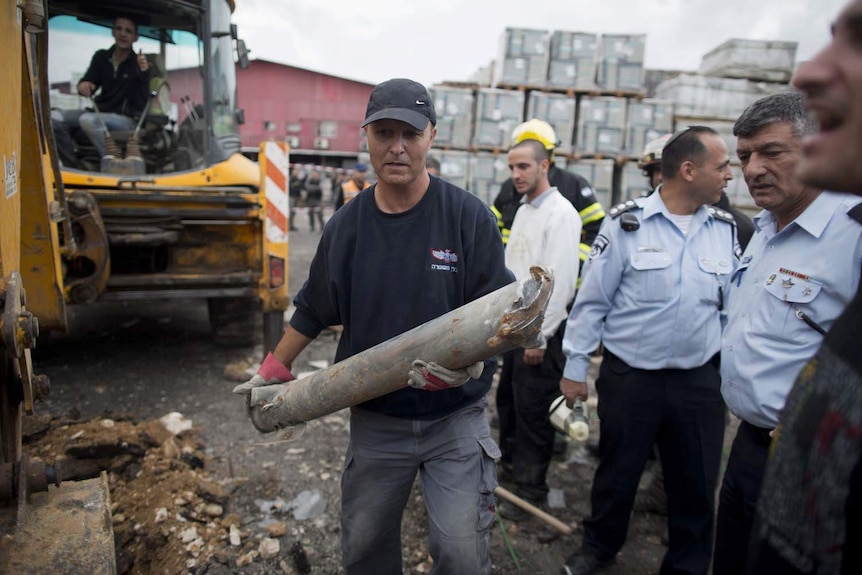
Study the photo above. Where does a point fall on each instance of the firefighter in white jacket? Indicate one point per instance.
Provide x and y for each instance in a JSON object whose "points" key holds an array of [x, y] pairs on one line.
{"points": [[543, 233]]}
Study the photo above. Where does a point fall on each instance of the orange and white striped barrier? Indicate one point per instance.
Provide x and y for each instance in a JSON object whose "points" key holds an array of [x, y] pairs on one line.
{"points": [[274, 166]]}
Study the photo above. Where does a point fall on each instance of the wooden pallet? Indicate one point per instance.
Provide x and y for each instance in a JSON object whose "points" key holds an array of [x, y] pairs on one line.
{"points": [[449, 148], [574, 92], [619, 159]]}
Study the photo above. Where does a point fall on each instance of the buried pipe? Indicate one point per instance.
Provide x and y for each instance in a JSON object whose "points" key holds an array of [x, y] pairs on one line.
{"points": [[500, 321]]}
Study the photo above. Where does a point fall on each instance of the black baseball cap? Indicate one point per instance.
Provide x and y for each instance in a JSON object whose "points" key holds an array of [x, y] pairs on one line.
{"points": [[401, 99]]}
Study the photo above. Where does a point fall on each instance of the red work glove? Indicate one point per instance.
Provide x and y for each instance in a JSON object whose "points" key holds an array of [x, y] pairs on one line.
{"points": [[271, 372], [431, 376]]}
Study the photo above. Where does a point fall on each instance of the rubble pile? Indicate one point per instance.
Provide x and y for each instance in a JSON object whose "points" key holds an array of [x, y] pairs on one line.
{"points": [[169, 514]]}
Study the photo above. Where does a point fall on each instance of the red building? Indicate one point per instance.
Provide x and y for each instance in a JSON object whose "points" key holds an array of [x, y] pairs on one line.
{"points": [[319, 115], [315, 112]]}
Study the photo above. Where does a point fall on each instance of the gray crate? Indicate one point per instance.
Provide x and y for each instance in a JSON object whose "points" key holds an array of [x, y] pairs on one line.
{"points": [[710, 97], [600, 175], [559, 111], [454, 166], [454, 108], [623, 47], [760, 60], [570, 46], [601, 125], [620, 65], [572, 60], [498, 112], [646, 120], [522, 58], [578, 74], [487, 173]]}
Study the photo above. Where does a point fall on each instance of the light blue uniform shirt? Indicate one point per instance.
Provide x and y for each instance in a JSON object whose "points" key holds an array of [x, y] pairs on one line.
{"points": [[812, 264], [652, 295]]}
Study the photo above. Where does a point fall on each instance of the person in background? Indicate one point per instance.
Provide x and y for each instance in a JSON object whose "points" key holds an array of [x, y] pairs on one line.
{"points": [[545, 228], [798, 274], [653, 295], [573, 187], [337, 193], [295, 186], [122, 79], [313, 198], [649, 161], [578, 192], [355, 184], [809, 515], [405, 251]]}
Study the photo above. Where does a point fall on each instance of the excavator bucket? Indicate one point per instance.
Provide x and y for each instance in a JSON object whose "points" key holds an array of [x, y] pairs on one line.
{"points": [[66, 530]]}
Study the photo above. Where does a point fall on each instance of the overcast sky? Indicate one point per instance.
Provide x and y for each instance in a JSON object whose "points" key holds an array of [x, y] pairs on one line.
{"points": [[437, 40]]}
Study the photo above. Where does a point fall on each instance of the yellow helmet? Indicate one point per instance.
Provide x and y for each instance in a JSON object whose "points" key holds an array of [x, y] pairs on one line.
{"points": [[538, 130], [652, 152]]}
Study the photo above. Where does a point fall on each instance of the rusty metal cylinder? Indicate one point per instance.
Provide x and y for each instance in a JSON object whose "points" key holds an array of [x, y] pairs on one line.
{"points": [[505, 319]]}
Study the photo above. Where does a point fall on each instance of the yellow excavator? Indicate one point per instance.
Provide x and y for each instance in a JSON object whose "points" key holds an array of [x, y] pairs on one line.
{"points": [[169, 210]]}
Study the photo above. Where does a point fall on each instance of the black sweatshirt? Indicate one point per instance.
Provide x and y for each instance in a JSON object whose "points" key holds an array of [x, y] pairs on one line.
{"points": [[380, 275], [124, 91]]}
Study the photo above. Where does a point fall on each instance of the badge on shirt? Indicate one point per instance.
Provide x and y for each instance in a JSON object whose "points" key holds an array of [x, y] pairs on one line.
{"points": [[792, 286], [650, 258], [718, 266]]}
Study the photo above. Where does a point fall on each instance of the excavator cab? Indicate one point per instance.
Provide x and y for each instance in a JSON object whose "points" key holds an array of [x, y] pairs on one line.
{"points": [[171, 209], [174, 134]]}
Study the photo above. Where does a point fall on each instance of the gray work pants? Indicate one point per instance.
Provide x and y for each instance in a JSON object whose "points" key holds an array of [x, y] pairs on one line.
{"points": [[454, 456]]}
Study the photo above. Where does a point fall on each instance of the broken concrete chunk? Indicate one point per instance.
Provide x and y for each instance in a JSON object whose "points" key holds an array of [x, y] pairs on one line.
{"points": [[161, 514], [176, 422], [269, 548], [188, 535], [213, 510], [246, 559], [234, 536], [277, 529]]}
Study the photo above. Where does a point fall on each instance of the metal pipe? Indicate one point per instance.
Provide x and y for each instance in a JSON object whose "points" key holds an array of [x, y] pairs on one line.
{"points": [[505, 319]]}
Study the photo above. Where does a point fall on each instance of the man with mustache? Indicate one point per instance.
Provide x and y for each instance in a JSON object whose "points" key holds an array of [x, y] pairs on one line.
{"points": [[798, 273], [809, 515]]}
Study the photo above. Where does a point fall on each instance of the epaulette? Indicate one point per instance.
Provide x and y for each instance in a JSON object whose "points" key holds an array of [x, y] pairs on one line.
{"points": [[622, 208], [856, 213], [722, 215]]}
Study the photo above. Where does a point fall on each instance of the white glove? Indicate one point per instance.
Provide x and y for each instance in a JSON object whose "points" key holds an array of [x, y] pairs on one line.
{"points": [[431, 376]]}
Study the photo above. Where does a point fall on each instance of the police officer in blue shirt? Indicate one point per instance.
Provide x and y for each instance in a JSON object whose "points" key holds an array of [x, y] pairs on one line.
{"points": [[797, 275], [653, 294]]}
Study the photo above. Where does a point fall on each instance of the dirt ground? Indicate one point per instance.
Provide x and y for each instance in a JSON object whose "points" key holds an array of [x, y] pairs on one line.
{"points": [[221, 498]]}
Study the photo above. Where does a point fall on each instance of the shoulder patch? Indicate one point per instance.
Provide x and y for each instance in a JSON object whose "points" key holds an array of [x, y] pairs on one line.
{"points": [[722, 215], [622, 208], [587, 192], [599, 244], [856, 213]]}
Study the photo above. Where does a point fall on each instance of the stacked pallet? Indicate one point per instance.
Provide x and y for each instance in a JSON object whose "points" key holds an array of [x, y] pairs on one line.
{"points": [[590, 88], [732, 76]]}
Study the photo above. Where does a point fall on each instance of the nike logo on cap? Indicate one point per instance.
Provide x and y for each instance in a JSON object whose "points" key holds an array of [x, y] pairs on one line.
{"points": [[420, 103]]}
